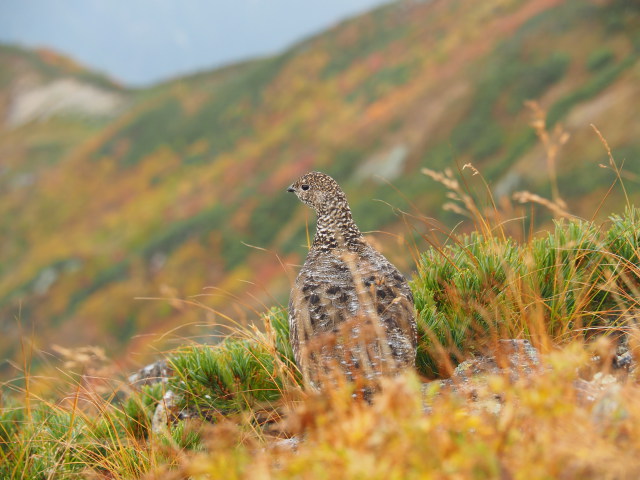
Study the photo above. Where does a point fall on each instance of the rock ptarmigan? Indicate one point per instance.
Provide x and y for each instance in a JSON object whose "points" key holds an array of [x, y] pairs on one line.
{"points": [[351, 311]]}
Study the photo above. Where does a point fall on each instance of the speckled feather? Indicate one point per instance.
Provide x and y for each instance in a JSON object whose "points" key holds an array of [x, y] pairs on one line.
{"points": [[344, 288]]}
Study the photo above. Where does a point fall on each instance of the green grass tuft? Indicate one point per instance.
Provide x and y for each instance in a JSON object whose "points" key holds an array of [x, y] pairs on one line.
{"points": [[573, 279]]}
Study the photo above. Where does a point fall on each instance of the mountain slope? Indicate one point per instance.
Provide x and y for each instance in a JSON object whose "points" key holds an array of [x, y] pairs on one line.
{"points": [[162, 200]]}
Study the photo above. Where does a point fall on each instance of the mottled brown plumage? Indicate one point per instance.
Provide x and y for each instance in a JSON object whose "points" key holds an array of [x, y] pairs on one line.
{"points": [[350, 307]]}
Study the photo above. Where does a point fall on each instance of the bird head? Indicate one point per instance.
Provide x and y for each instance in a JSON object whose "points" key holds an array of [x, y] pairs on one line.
{"points": [[319, 191]]}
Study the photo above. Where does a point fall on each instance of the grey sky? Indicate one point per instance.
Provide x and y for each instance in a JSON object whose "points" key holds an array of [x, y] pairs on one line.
{"points": [[139, 42]]}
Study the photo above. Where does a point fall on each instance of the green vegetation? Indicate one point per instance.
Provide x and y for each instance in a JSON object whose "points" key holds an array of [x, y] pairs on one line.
{"points": [[480, 134], [54, 441], [479, 286], [151, 129], [377, 31], [536, 78], [274, 209], [600, 58], [233, 377], [381, 82], [178, 232], [593, 86], [222, 119], [105, 276]]}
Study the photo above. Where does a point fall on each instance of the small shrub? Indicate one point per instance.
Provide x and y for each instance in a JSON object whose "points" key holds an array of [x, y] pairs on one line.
{"points": [[599, 58], [535, 79], [236, 374], [573, 278]]}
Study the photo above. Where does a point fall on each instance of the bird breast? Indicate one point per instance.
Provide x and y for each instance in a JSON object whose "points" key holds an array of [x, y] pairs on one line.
{"points": [[337, 285]]}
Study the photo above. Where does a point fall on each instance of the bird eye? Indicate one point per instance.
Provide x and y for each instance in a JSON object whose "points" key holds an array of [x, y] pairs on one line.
{"points": [[304, 187]]}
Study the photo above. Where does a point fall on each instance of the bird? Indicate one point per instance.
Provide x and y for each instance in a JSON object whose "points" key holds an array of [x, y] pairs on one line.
{"points": [[351, 312]]}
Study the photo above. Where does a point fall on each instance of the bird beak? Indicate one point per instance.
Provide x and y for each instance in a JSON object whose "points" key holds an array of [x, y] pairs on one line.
{"points": [[291, 189]]}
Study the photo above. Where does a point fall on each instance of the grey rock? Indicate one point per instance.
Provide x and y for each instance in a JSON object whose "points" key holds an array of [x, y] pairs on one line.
{"points": [[514, 358], [168, 413], [153, 373]]}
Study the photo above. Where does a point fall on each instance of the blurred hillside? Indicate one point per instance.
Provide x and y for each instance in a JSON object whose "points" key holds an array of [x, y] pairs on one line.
{"points": [[111, 194]]}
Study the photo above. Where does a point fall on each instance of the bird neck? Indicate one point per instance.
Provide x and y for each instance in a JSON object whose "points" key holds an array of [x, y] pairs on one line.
{"points": [[335, 228]]}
